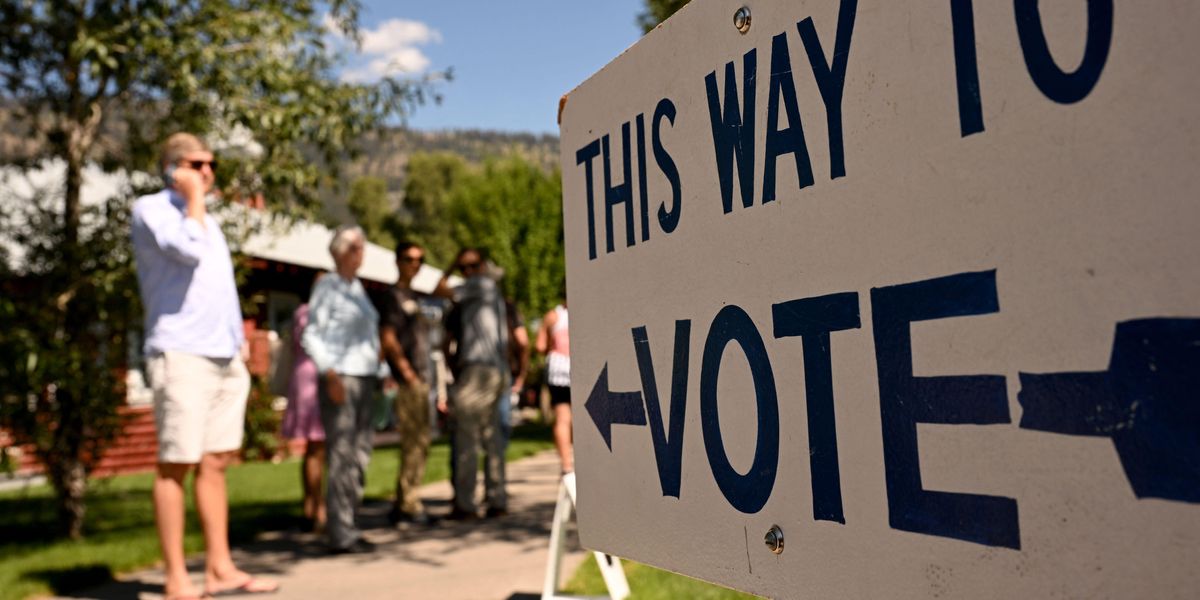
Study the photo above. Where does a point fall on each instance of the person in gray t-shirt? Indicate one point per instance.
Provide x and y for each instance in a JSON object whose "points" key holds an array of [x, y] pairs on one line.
{"points": [[479, 331]]}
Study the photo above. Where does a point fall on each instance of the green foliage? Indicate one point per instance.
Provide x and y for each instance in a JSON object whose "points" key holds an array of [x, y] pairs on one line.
{"points": [[261, 428], [427, 187], [256, 74], [103, 83], [513, 208], [368, 202], [120, 531], [64, 342], [658, 11], [509, 205]]}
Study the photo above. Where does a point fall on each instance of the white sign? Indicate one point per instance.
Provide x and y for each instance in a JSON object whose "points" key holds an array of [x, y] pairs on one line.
{"points": [[916, 282]]}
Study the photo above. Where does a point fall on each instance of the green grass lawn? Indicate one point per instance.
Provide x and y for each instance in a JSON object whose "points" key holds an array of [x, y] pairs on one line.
{"points": [[649, 583], [120, 534]]}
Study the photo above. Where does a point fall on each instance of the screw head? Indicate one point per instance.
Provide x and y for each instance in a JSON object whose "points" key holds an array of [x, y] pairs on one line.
{"points": [[774, 539], [741, 20]]}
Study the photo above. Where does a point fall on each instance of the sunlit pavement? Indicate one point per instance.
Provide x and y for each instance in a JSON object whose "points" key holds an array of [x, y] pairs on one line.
{"points": [[497, 558]]}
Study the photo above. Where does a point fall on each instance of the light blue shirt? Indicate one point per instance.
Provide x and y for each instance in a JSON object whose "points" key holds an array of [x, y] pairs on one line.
{"points": [[343, 328], [186, 280]]}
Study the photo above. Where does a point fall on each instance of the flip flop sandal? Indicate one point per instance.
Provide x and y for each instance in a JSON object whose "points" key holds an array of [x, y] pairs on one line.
{"points": [[247, 588]]}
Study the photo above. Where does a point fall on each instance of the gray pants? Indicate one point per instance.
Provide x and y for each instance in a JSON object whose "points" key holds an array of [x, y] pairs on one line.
{"points": [[474, 395], [348, 437]]}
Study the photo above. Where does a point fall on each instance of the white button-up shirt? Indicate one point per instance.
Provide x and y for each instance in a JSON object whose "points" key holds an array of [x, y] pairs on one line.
{"points": [[186, 280], [343, 328]]}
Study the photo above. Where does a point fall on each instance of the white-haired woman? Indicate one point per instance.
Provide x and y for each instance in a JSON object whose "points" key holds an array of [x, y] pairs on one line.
{"points": [[342, 338]]}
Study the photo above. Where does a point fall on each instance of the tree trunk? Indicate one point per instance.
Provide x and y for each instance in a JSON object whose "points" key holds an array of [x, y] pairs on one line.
{"points": [[68, 469], [70, 481], [80, 138], [71, 209]]}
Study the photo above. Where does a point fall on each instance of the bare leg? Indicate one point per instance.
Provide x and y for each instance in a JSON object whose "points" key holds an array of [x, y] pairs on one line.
{"points": [[313, 469], [562, 436], [213, 504], [169, 516]]}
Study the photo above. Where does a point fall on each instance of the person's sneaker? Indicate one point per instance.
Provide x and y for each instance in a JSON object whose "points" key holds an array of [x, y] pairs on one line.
{"points": [[395, 516], [359, 546], [459, 514], [398, 518], [495, 512]]}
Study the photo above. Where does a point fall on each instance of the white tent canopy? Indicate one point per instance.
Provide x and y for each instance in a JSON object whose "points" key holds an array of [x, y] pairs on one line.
{"points": [[307, 244], [303, 243]]}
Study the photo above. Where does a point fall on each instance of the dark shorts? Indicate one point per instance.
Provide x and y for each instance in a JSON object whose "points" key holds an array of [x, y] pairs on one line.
{"points": [[559, 394]]}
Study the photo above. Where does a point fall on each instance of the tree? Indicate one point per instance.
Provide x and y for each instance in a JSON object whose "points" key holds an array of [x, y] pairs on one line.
{"points": [[658, 11], [431, 176], [513, 208], [91, 82], [369, 203]]}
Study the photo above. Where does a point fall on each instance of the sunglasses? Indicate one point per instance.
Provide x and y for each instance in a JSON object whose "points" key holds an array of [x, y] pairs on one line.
{"points": [[470, 266], [412, 259], [199, 164]]}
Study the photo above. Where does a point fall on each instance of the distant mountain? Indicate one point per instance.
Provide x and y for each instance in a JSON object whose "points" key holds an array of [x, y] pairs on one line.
{"points": [[383, 155], [386, 155]]}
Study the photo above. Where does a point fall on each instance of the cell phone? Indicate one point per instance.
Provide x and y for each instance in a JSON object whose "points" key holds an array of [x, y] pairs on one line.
{"points": [[169, 176]]}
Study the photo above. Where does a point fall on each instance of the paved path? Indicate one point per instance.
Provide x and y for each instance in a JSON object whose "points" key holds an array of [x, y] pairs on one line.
{"points": [[502, 558]]}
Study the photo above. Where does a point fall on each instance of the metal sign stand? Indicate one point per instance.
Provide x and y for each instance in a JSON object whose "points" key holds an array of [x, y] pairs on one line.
{"points": [[610, 566]]}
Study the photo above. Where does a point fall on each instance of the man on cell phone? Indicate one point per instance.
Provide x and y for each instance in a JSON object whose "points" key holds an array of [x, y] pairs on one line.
{"points": [[194, 360]]}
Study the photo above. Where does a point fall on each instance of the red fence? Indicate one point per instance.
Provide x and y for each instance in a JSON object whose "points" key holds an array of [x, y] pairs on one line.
{"points": [[134, 450]]}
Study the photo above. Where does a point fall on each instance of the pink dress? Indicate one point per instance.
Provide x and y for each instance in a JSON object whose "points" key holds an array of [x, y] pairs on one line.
{"points": [[303, 416]]}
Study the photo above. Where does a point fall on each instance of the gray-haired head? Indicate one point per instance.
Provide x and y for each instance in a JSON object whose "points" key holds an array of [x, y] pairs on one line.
{"points": [[344, 238], [179, 145]]}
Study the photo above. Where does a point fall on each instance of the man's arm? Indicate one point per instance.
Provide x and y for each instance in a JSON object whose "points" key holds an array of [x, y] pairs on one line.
{"points": [[394, 352], [542, 345], [520, 344], [318, 316], [178, 237], [316, 348], [190, 184]]}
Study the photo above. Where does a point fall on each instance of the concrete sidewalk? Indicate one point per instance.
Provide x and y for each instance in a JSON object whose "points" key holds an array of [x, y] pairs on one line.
{"points": [[502, 558]]}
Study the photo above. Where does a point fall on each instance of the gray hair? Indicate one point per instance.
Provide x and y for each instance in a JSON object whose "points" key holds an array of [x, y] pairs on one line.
{"points": [[344, 237]]}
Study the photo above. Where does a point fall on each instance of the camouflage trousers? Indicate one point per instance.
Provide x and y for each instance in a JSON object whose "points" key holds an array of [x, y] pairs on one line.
{"points": [[412, 421]]}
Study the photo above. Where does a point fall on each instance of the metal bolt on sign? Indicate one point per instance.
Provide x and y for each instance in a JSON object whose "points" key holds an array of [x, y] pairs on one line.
{"points": [[741, 19], [774, 539]]}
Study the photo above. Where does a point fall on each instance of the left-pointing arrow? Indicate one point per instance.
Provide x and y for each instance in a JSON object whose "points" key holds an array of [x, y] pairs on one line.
{"points": [[608, 408]]}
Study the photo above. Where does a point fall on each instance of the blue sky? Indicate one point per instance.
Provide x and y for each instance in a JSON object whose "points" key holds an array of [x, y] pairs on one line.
{"points": [[512, 60]]}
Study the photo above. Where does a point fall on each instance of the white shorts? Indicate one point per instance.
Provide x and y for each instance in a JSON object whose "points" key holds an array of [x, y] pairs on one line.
{"points": [[199, 405]]}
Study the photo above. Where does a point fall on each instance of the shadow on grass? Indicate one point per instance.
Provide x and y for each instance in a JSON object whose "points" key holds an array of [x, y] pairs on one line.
{"points": [[65, 580], [264, 515]]}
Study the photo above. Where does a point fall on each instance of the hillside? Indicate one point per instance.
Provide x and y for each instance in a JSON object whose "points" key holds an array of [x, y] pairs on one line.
{"points": [[387, 156], [384, 155]]}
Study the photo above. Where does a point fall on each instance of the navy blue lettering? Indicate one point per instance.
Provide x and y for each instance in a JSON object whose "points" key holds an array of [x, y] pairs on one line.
{"points": [[733, 133], [584, 157], [641, 159], [790, 140], [668, 220], [966, 67], [621, 193], [813, 319], [1056, 84], [905, 400], [1145, 401], [831, 78], [747, 492], [668, 448]]}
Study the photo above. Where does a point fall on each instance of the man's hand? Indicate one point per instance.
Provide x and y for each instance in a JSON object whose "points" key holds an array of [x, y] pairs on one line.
{"points": [[334, 388], [191, 185], [411, 378]]}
